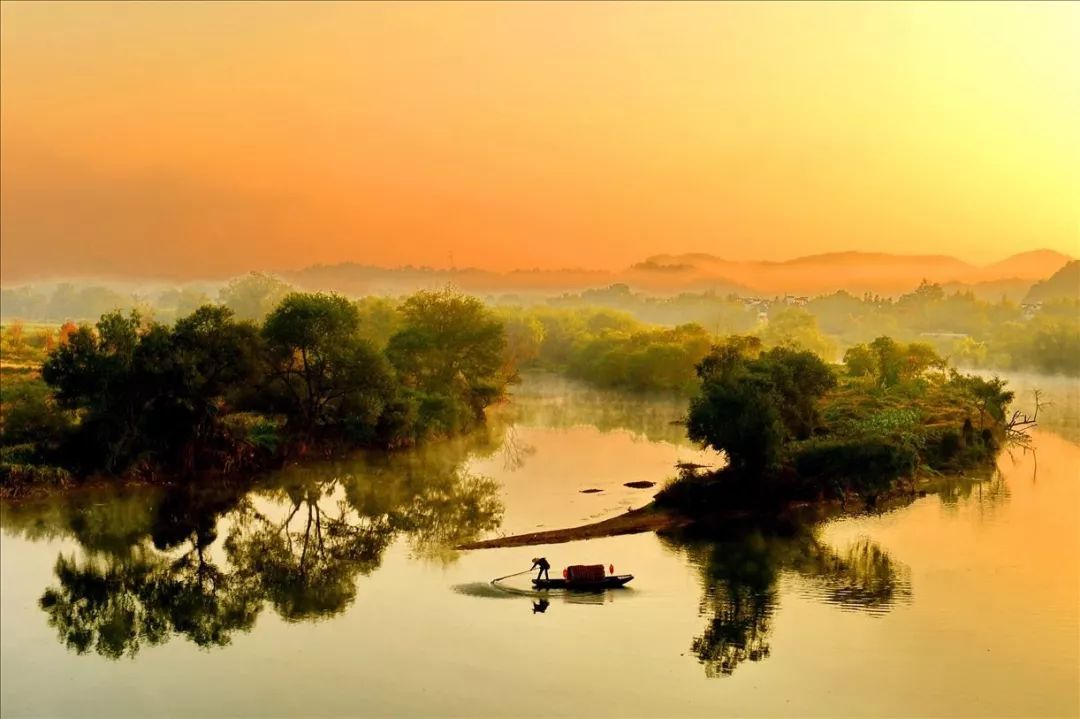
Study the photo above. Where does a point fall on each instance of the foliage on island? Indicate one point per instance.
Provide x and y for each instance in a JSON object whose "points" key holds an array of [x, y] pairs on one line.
{"points": [[793, 428]]}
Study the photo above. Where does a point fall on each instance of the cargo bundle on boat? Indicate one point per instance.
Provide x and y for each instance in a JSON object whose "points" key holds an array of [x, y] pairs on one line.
{"points": [[585, 577]]}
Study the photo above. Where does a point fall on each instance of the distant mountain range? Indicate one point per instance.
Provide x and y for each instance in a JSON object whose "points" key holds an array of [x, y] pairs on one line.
{"points": [[855, 272], [859, 272]]}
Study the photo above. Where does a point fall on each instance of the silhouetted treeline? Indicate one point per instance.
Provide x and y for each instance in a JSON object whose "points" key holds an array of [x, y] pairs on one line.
{"points": [[218, 392]]}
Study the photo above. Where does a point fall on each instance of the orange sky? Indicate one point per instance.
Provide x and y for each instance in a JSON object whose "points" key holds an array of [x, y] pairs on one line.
{"points": [[201, 139]]}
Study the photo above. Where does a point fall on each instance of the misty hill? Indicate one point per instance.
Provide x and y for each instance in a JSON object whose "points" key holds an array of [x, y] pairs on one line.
{"points": [[858, 272], [1063, 284], [1036, 264], [658, 276]]}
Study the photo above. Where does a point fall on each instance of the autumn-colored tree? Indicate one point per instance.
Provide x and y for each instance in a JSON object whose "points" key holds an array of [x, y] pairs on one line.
{"points": [[66, 330]]}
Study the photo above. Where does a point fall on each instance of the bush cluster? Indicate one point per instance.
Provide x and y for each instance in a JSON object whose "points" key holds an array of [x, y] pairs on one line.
{"points": [[215, 391]]}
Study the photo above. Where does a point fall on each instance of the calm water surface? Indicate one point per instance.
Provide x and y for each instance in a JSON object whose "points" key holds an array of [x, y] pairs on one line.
{"points": [[331, 589]]}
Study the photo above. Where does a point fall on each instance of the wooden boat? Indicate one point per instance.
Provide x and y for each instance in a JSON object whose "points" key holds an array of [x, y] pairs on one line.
{"points": [[609, 582]]}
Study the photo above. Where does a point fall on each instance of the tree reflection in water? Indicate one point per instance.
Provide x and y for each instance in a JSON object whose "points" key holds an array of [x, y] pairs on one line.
{"points": [[117, 598], [740, 571], [154, 568], [987, 490]]}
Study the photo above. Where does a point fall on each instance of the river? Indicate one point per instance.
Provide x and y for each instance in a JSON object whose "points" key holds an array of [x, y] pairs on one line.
{"points": [[332, 589]]}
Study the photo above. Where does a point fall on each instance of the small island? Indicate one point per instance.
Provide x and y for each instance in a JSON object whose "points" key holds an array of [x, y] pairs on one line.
{"points": [[797, 432]]}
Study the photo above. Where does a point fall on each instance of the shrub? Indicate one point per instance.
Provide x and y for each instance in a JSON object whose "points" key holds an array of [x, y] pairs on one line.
{"points": [[18, 478], [867, 467], [27, 411], [258, 430], [27, 453]]}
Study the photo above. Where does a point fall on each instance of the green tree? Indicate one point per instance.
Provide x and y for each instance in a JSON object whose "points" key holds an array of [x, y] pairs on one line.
{"points": [[524, 335], [748, 408], [330, 379], [890, 362], [150, 389], [861, 361], [221, 352], [27, 411], [450, 346], [254, 296], [990, 395], [380, 319], [91, 373], [796, 328]]}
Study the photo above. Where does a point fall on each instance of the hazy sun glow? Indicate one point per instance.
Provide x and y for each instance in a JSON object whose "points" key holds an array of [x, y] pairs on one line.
{"points": [[201, 139]]}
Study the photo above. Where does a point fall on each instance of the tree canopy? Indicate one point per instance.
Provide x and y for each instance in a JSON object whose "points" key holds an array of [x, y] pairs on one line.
{"points": [[752, 402], [328, 376], [450, 353]]}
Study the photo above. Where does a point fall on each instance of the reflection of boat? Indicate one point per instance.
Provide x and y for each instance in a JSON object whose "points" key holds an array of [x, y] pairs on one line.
{"points": [[613, 582]]}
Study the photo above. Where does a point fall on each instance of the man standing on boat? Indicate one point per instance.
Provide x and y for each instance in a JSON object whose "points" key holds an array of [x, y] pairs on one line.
{"points": [[544, 567]]}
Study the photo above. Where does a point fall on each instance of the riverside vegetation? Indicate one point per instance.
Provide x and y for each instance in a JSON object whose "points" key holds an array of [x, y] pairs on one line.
{"points": [[795, 429], [319, 373], [581, 333], [213, 393]]}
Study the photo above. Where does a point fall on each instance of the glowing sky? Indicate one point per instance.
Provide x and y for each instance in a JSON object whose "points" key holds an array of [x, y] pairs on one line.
{"points": [[201, 139]]}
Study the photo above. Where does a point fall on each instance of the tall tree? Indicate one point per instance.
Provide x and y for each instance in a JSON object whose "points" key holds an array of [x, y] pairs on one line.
{"points": [[748, 407], [451, 345], [331, 379], [254, 296]]}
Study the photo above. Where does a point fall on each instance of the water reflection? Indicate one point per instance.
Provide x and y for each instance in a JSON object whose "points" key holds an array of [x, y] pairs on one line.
{"points": [[116, 606], [110, 573], [740, 571], [202, 564], [986, 491]]}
